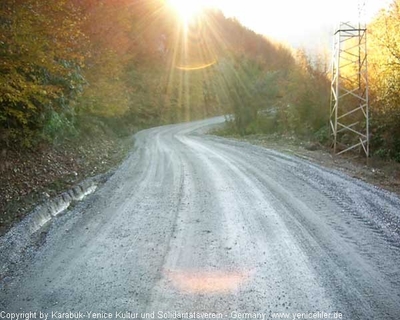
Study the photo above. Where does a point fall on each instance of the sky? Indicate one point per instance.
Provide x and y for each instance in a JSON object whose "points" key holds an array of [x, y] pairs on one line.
{"points": [[308, 24]]}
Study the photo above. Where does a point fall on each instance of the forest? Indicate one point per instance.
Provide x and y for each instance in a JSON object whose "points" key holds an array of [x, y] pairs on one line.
{"points": [[68, 67]]}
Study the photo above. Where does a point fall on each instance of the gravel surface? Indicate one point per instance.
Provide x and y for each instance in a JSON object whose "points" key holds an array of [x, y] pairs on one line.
{"points": [[207, 226]]}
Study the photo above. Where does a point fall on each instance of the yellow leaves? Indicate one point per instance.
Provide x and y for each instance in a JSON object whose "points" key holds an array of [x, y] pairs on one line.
{"points": [[384, 58], [19, 115]]}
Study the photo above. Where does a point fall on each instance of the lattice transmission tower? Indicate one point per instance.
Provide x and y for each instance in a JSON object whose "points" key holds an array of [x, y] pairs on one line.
{"points": [[349, 103]]}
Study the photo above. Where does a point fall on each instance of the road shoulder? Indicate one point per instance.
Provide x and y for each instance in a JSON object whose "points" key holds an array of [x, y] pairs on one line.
{"points": [[378, 172]]}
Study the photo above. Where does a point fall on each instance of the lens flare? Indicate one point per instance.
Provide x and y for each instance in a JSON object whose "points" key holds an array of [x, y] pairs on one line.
{"points": [[196, 67], [203, 282]]}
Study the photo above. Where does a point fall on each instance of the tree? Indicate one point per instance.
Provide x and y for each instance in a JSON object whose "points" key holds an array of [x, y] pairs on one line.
{"points": [[42, 51], [384, 76]]}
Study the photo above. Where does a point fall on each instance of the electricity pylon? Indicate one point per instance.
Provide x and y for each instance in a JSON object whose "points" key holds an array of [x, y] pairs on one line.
{"points": [[349, 106]]}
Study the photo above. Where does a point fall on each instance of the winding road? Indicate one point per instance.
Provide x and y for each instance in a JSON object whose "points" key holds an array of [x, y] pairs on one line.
{"points": [[197, 225]]}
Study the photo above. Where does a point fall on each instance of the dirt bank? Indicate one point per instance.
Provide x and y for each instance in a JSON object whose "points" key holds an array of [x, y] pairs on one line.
{"points": [[28, 177]]}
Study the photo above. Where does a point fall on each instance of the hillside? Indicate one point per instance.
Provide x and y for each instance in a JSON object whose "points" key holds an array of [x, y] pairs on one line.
{"points": [[80, 77]]}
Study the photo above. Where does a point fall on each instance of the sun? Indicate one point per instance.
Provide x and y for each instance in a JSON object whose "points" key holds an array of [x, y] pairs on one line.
{"points": [[188, 9]]}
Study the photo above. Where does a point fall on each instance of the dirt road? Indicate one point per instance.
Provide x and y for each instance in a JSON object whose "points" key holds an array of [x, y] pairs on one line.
{"points": [[196, 225]]}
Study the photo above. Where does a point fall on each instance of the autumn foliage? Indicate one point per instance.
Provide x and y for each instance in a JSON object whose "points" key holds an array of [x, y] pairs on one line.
{"points": [[42, 49], [384, 76], [69, 65]]}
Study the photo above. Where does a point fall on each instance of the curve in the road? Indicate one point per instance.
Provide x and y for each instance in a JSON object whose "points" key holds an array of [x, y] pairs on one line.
{"points": [[197, 223]]}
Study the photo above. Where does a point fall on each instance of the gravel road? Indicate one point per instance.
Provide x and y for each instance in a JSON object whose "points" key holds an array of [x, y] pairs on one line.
{"points": [[197, 225]]}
